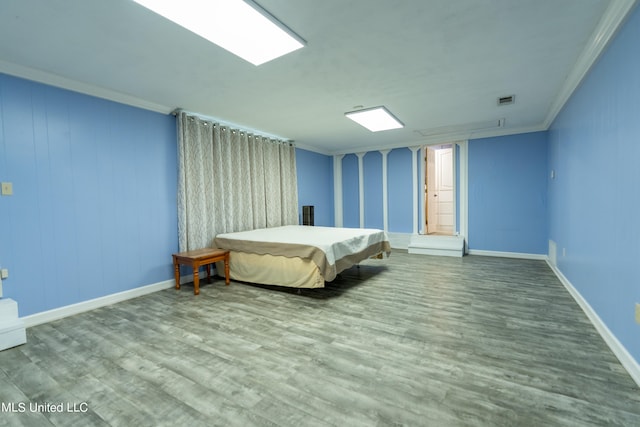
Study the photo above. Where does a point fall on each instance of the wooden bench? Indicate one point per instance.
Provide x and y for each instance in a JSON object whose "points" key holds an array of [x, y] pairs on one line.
{"points": [[197, 258]]}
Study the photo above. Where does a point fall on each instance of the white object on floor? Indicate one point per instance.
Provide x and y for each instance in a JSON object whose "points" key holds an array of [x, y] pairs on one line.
{"points": [[12, 330]]}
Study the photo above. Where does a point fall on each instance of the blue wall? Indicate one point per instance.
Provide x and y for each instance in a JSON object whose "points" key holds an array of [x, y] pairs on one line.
{"points": [[400, 188], [508, 193], [350, 191], [373, 206], [595, 197], [315, 185], [94, 204]]}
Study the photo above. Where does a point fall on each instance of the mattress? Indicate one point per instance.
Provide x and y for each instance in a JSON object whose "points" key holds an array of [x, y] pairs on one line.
{"points": [[296, 253]]}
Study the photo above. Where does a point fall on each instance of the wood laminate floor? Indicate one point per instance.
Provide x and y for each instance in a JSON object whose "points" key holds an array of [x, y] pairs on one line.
{"points": [[410, 340]]}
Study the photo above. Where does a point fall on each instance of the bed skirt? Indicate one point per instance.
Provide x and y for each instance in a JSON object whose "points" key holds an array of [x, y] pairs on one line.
{"points": [[273, 270]]}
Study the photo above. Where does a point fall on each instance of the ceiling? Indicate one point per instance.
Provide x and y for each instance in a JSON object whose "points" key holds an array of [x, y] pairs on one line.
{"points": [[438, 65]]}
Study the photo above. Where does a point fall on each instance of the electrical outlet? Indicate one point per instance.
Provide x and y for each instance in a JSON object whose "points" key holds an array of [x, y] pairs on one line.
{"points": [[564, 252], [4, 273], [7, 189], [638, 313]]}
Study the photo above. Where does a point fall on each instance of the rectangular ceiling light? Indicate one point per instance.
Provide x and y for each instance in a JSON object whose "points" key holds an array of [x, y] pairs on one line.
{"points": [[375, 119], [241, 27]]}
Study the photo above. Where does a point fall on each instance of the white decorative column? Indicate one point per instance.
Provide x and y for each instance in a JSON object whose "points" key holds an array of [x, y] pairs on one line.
{"points": [[337, 190], [385, 190], [361, 186], [422, 220], [464, 189], [416, 178]]}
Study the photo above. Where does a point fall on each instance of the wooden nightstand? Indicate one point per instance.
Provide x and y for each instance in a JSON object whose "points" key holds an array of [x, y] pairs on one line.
{"points": [[197, 258]]}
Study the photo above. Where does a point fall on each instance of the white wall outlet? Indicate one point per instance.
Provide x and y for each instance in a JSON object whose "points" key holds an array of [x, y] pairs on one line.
{"points": [[4, 273], [7, 189], [638, 313], [564, 252]]}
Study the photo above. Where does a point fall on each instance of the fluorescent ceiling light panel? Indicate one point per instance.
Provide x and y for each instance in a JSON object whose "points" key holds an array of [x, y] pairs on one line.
{"points": [[375, 119], [241, 27]]}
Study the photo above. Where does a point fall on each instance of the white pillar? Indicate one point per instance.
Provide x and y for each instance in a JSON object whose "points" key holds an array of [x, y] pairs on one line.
{"points": [[337, 190], [414, 174], [464, 190], [385, 190], [422, 182], [361, 186]]}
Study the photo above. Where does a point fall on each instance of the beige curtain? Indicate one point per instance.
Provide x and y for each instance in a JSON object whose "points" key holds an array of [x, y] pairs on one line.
{"points": [[229, 180]]}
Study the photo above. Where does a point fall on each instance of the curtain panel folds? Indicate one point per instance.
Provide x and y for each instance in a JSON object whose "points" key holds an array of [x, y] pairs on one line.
{"points": [[230, 180]]}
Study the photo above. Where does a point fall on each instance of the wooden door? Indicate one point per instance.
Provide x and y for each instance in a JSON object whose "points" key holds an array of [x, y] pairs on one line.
{"points": [[444, 190]]}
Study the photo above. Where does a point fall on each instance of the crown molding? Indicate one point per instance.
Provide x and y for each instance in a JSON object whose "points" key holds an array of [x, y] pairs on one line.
{"points": [[442, 139], [609, 24], [51, 79], [313, 149]]}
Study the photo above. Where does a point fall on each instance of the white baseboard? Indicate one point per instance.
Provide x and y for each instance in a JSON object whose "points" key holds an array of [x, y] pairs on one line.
{"points": [[519, 255], [70, 310], [625, 358]]}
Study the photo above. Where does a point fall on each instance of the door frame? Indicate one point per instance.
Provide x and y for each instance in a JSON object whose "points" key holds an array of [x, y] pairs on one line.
{"points": [[431, 209], [461, 187]]}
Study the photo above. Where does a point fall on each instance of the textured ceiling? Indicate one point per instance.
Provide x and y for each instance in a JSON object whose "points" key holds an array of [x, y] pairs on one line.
{"points": [[438, 65]]}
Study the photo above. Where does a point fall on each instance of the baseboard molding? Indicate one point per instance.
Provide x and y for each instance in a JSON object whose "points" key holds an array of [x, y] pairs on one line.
{"points": [[92, 304], [625, 358], [519, 255]]}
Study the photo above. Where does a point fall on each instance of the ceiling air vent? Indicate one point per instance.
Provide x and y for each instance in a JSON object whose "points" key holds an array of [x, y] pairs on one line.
{"points": [[506, 100]]}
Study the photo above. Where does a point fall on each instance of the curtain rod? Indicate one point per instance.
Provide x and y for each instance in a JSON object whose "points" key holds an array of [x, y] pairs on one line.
{"points": [[239, 128]]}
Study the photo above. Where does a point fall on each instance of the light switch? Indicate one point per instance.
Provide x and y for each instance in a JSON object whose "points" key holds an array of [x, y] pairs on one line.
{"points": [[7, 189]]}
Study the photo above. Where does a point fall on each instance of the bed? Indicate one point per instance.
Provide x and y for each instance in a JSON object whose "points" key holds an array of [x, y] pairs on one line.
{"points": [[297, 255]]}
